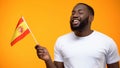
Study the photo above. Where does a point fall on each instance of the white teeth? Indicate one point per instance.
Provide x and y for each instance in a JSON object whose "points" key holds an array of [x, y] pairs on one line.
{"points": [[76, 21]]}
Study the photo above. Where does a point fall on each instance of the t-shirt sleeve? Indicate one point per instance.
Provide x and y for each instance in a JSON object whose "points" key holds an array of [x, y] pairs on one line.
{"points": [[57, 52], [112, 54]]}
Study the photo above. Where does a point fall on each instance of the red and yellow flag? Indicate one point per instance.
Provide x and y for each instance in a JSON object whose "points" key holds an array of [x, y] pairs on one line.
{"points": [[21, 31]]}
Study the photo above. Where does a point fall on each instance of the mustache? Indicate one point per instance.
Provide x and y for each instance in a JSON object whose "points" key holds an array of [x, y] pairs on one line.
{"points": [[83, 24], [75, 19]]}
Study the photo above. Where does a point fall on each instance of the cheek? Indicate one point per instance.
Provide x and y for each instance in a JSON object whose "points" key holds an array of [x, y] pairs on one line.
{"points": [[81, 15], [71, 16], [84, 15]]}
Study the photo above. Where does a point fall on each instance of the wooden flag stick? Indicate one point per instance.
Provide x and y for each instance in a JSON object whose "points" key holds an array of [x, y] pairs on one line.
{"points": [[31, 32]]}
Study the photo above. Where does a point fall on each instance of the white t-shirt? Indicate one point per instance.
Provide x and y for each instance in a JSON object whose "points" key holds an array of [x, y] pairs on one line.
{"points": [[92, 51]]}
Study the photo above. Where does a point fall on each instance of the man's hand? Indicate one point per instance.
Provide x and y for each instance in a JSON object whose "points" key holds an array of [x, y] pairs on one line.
{"points": [[42, 53]]}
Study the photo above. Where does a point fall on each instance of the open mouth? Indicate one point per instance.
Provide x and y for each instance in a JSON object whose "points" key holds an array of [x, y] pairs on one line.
{"points": [[75, 23]]}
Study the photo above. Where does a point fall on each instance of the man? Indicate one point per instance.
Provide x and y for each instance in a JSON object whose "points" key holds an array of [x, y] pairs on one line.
{"points": [[82, 48]]}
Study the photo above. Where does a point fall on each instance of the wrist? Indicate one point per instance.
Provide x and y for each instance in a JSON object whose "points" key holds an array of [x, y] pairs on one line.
{"points": [[48, 60]]}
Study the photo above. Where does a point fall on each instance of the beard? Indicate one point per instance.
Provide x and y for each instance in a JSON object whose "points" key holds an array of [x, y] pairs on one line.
{"points": [[82, 25]]}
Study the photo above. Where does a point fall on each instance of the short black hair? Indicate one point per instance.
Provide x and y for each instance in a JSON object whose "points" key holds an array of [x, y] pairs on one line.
{"points": [[91, 10]]}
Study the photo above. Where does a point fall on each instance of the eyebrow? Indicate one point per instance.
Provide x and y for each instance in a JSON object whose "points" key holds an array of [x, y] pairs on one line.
{"points": [[78, 10]]}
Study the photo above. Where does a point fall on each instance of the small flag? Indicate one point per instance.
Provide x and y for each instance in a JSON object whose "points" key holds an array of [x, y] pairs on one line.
{"points": [[21, 31]]}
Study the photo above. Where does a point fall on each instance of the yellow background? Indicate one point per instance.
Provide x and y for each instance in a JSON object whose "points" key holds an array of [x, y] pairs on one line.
{"points": [[48, 19]]}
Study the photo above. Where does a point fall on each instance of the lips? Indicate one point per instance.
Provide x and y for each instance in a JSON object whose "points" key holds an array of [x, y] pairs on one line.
{"points": [[75, 23]]}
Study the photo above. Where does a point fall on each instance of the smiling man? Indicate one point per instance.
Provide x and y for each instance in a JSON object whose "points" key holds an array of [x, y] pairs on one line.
{"points": [[84, 47]]}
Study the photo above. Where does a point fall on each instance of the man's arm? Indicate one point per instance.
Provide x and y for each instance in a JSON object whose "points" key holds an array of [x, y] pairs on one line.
{"points": [[43, 54], [59, 64], [114, 65], [50, 64]]}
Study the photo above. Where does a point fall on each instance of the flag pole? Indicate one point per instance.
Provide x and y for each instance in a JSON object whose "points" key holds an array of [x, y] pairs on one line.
{"points": [[31, 32]]}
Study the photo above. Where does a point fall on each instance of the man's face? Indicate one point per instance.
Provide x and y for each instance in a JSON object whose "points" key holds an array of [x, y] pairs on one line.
{"points": [[79, 18]]}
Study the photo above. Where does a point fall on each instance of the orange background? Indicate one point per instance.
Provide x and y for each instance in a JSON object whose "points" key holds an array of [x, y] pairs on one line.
{"points": [[48, 19]]}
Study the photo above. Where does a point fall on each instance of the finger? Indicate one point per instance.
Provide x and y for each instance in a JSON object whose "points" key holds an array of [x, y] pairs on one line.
{"points": [[40, 51], [37, 46], [40, 55]]}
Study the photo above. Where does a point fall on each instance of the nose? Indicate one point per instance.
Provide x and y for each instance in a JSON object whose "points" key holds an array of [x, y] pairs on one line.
{"points": [[76, 15]]}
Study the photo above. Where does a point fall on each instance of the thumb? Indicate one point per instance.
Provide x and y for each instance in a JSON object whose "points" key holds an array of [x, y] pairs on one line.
{"points": [[37, 46]]}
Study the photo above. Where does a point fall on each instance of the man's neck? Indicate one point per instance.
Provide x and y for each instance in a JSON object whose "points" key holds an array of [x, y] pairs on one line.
{"points": [[83, 33]]}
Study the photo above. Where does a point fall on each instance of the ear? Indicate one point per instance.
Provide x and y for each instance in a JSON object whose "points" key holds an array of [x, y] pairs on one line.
{"points": [[91, 17]]}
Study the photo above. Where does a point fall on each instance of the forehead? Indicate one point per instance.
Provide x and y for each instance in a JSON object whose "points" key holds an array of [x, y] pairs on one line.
{"points": [[80, 7]]}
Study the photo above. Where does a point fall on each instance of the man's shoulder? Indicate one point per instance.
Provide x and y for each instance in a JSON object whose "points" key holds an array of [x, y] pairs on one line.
{"points": [[103, 36]]}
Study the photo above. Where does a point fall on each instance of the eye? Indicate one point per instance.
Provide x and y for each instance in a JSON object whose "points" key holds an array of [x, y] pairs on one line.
{"points": [[81, 12]]}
